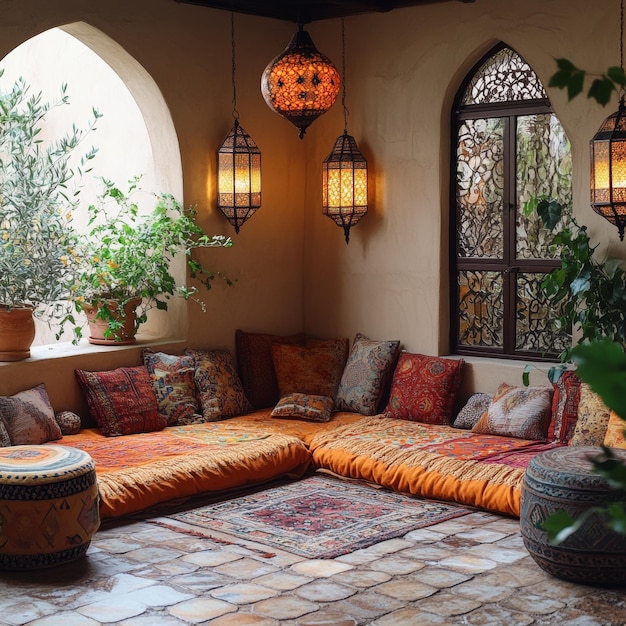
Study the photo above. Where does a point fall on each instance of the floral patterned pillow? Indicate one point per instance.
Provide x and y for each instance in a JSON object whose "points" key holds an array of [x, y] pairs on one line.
{"points": [[313, 369], [174, 385], [473, 410], [424, 388], [304, 406], [28, 418], [68, 422], [365, 376], [218, 385], [593, 419], [522, 412], [122, 401]]}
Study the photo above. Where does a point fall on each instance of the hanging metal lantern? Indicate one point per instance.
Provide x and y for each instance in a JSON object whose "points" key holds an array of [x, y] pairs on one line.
{"points": [[608, 169], [344, 184], [238, 177], [300, 83]]}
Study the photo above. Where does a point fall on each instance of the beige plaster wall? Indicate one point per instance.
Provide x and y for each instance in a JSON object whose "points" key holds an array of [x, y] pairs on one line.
{"points": [[292, 266], [404, 68], [185, 49]]}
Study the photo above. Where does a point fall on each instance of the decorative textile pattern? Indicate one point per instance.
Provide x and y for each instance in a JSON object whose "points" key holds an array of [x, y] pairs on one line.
{"points": [[49, 504], [122, 400], [174, 386], [319, 517], [28, 417], [306, 407], [522, 412], [218, 385], [427, 460], [614, 437], [5, 440], [256, 368], [366, 374], [424, 388], [68, 422], [473, 410], [140, 471], [593, 418], [564, 407], [313, 369]]}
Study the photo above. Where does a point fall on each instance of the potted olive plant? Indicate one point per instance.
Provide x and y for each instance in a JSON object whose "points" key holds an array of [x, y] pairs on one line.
{"points": [[125, 261], [37, 242]]}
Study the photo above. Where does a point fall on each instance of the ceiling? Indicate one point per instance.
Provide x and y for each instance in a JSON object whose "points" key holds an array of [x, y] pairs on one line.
{"points": [[304, 11]]}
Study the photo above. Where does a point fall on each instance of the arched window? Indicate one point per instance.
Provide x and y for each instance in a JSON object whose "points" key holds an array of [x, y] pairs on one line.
{"points": [[508, 148]]}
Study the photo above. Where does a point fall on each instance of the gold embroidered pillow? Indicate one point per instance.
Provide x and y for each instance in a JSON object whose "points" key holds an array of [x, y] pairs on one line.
{"points": [[593, 418], [219, 388], [614, 437], [306, 407], [521, 412]]}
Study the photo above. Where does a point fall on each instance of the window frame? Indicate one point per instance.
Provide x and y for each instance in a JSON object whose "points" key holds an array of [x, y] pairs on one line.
{"points": [[509, 265]]}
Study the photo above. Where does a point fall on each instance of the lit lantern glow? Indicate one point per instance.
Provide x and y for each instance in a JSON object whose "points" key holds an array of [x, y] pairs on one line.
{"points": [[608, 170], [300, 83], [344, 184], [238, 177]]}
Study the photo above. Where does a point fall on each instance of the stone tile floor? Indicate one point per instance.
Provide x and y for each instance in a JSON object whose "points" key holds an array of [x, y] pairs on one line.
{"points": [[472, 570]]}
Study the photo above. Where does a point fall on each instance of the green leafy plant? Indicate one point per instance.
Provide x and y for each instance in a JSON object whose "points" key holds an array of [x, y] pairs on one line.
{"points": [[37, 241], [591, 292], [569, 76], [127, 254]]}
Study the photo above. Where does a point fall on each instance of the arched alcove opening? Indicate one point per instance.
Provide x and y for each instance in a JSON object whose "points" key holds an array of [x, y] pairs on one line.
{"points": [[135, 135]]}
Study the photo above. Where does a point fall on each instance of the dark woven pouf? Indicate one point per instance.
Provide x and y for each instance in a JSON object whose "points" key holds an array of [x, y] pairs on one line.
{"points": [[48, 505], [562, 479]]}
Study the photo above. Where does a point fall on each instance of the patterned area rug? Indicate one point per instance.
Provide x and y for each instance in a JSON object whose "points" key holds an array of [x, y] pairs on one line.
{"points": [[319, 517]]}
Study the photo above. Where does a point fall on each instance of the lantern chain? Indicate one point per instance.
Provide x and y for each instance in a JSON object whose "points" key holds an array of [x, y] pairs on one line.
{"points": [[343, 77], [233, 66]]}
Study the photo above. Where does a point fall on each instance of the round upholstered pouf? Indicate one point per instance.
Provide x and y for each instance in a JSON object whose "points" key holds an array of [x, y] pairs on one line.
{"points": [[562, 479], [48, 505]]}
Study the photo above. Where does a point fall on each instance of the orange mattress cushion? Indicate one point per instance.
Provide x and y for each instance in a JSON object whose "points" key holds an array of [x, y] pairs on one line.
{"points": [[432, 461]]}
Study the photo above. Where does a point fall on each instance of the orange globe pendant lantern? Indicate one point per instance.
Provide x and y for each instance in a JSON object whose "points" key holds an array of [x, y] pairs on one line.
{"points": [[300, 83]]}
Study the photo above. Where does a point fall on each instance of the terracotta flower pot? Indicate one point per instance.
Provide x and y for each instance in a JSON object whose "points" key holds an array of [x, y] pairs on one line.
{"points": [[98, 327], [17, 332]]}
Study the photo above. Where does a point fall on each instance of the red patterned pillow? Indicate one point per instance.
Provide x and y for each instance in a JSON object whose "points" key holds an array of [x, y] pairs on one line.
{"points": [[564, 408], [256, 368], [314, 369], [522, 412], [424, 388], [122, 401]]}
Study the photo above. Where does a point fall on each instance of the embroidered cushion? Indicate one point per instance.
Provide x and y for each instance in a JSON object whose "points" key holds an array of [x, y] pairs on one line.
{"points": [[473, 410], [593, 419], [256, 367], [313, 369], [522, 412], [364, 379], [122, 400], [28, 418], [174, 385], [305, 406], [424, 388], [564, 408], [68, 422], [218, 385], [614, 437]]}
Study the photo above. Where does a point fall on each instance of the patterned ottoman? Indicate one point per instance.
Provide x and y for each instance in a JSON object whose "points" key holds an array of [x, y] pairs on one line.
{"points": [[48, 505], [563, 479]]}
